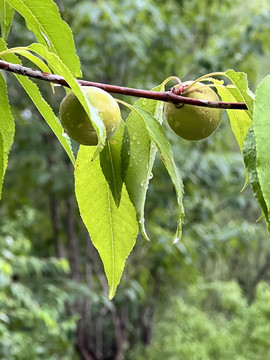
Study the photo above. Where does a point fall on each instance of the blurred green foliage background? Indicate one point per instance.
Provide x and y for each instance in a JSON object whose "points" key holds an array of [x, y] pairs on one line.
{"points": [[205, 298]]}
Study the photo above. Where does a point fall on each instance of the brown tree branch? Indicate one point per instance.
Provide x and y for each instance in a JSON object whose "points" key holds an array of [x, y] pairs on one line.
{"points": [[167, 96]]}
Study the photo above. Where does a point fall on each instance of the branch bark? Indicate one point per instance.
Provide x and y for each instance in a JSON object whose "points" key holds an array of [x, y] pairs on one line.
{"points": [[167, 96]]}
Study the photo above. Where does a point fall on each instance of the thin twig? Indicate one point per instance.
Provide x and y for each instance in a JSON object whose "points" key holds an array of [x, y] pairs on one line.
{"points": [[167, 96]]}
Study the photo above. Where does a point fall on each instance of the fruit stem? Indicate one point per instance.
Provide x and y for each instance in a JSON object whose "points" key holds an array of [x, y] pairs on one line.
{"points": [[204, 77], [130, 107], [181, 87]]}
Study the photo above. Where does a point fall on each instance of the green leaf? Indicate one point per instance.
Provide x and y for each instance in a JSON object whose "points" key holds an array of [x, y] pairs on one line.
{"points": [[240, 119], [42, 106], [113, 230], [249, 152], [44, 20], [239, 79], [2, 163], [238, 92], [261, 125], [7, 130], [139, 155], [6, 16], [56, 64], [111, 163], [160, 139]]}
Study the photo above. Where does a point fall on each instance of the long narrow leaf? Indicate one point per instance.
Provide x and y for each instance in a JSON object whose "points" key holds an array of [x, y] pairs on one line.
{"points": [[250, 158], [160, 139], [239, 79], [113, 230], [140, 155], [261, 125], [6, 16], [7, 130], [240, 120], [44, 20], [2, 163]]}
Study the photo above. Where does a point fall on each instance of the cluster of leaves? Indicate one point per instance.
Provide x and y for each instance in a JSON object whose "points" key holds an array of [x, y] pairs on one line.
{"points": [[31, 303], [199, 332], [111, 180]]}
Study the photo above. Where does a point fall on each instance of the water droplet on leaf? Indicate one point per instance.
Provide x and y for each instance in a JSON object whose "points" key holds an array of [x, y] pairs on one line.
{"points": [[65, 135]]}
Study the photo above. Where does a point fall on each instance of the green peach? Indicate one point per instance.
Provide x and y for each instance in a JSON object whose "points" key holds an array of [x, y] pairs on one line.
{"points": [[76, 122], [194, 122]]}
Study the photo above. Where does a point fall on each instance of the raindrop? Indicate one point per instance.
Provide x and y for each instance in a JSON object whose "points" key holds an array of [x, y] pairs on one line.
{"points": [[46, 39], [65, 134], [27, 114], [176, 239]]}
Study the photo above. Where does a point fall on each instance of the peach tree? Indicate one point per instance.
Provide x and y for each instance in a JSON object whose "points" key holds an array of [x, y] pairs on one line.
{"points": [[113, 173]]}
